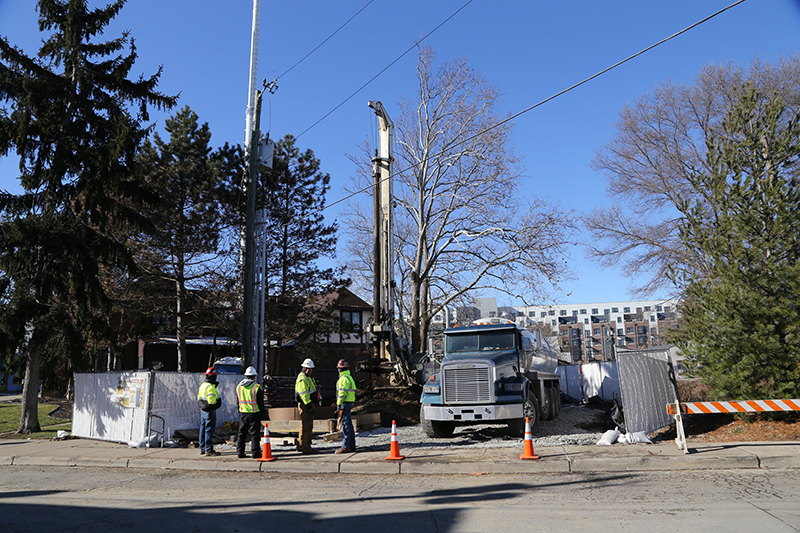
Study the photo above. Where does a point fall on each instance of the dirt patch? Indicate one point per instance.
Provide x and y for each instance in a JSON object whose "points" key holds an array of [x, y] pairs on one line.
{"points": [[400, 404]]}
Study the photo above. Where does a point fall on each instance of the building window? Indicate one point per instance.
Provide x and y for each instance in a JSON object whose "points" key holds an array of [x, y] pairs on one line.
{"points": [[629, 329], [594, 311], [620, 332], [626, 309], [638, 309], [532, 314], [667, 309], [596, 331], [615, 309], [585, 320], [652, 318], [619, 320], [583, 311], [351, 321], [551, 312], [553, 323], [646, 307], [658, 308], [574, 313], [605, 311], [544, 314], [563, 312]]}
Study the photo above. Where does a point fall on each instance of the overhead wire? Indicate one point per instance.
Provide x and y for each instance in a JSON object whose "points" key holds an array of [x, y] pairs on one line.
{"points": [[387, 67], [326, 40], [542, 102]]}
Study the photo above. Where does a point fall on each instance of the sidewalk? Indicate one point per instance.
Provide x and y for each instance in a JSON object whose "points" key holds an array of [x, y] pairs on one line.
{"points": [[564, 459]]}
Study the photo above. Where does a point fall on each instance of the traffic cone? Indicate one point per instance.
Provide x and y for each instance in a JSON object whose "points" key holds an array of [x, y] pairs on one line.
{"points": [[394, 449], [266, 449], [527, 452]]}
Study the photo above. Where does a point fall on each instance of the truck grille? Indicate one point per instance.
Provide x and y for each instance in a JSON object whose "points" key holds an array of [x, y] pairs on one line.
{"points": [[467, 385]]}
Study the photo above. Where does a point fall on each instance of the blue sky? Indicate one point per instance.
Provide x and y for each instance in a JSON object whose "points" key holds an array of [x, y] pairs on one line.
{"points": [[529, 50]]}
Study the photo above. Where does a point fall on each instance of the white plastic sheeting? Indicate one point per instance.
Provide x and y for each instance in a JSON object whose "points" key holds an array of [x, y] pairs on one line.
{"points": [[647, 387], [130, 406], [581, 382]]}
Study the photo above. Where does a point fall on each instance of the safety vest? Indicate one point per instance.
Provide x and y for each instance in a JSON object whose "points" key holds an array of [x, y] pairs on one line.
{"points": [[247, 397], [208, 392], [345, 388], [305, 387]]}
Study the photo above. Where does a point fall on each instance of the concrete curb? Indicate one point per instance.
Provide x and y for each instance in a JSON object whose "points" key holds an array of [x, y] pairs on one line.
{"points": [[418, 461]]}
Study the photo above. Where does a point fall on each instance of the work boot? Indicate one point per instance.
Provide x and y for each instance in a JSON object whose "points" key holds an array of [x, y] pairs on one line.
{"points": [[212, 452], [342, 450], [308, 451]]}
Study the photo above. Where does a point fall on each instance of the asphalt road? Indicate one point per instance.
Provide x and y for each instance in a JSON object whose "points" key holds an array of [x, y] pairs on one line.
{"points": [[112, 499]]}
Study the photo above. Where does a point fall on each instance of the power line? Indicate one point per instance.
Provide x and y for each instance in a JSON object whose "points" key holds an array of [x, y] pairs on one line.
{"points": [[384, 69], [542, 102], [326, 40]]}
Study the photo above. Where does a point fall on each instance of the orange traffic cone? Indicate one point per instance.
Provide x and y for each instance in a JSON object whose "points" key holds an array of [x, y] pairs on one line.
{"points": [[527, 452], [394, 449], [266, 449]]}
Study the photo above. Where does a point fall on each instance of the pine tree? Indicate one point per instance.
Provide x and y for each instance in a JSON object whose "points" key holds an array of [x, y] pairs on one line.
{"points": [[742, 320], [190, 229], [297, 239], [74, 118]]}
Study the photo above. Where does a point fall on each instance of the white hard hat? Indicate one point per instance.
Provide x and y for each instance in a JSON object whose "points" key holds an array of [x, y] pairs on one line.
{"points": [[250, 371], [308, 363]]}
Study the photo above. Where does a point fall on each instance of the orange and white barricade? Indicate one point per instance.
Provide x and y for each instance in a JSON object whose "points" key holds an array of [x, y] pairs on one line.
{"points": [[677, 410]]}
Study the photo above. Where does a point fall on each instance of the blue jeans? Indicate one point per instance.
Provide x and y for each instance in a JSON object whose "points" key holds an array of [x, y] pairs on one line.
{"points": [[349, 441], [208, 421]]}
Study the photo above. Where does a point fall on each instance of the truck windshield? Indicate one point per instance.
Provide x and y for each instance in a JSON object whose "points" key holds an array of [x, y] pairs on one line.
{"points": [[478, 342]]}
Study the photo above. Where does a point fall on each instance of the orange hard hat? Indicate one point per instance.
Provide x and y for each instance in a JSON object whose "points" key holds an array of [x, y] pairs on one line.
{"points": [[342, 364]]}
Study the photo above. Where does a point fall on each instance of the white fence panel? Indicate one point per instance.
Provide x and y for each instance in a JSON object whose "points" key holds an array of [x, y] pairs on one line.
{"points": [[130, 406], [111, 406], [581, 382]]}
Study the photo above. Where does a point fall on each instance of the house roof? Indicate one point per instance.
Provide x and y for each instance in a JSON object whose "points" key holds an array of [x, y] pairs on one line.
{"points": [[345, 298]]}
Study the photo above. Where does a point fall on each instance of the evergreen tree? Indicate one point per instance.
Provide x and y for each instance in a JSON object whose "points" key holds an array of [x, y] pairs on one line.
{"points": [[297, 239], [190, 234], [742, 318], [74, 119]]}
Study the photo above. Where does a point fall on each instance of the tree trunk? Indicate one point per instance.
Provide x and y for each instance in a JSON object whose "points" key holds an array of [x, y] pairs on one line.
{"points": [[179, 326], [29, 420]]}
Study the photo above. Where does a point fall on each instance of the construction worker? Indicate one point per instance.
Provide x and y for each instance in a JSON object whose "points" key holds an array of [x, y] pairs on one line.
{"points": [[305, 389], [345, 397], [250, 401], [209, 400]]}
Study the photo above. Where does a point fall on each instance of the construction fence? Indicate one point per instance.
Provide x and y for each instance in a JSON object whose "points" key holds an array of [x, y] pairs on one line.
{"points": [[144, 406]]}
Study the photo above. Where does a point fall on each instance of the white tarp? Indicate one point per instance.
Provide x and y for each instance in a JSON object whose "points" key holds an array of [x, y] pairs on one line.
{"points": [[129, 406], [581, 382]]}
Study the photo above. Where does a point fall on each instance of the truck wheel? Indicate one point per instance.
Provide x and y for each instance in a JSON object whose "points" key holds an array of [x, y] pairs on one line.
{"points": [[547, 404], [436, 429], [530, 409]]}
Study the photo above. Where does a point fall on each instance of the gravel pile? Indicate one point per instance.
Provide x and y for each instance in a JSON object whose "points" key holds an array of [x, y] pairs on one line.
{"points": [[568, 428]]}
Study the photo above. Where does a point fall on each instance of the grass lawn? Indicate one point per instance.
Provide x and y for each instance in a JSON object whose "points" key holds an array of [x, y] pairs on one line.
{"points": [[9, 422]]}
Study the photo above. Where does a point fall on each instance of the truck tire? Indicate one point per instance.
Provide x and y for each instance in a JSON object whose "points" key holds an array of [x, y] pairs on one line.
{"points": [[556, 401], [530, 409], [547, 403], [435, 429]]}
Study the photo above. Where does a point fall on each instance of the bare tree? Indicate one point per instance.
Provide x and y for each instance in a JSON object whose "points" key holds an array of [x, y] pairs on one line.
{"points": [[661, 142], [461, 225]]}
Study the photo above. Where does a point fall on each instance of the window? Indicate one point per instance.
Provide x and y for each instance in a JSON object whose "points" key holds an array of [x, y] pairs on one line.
{"points": [[626, 309], [620, 332], [551, 312], [605, 311], [638, 309], [553, 323], [575, 313], [544, 314], [583, 311], [351, 321], [652, 318], [596, 331], [615, 309], [629, 329], [563, 312], [585, 320], [667, 309], [594, 311], [532, 314], [646, 307], [619, 320], [658, 308]]}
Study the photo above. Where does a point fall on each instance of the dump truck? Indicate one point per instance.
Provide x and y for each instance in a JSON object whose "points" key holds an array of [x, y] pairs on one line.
{"points": [[492, 372]]}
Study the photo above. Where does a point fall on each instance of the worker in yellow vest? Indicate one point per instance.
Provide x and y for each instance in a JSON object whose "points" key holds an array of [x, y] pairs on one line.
{"points": [[250, 401], [209, 400], [305, 389], [345, 398]]}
